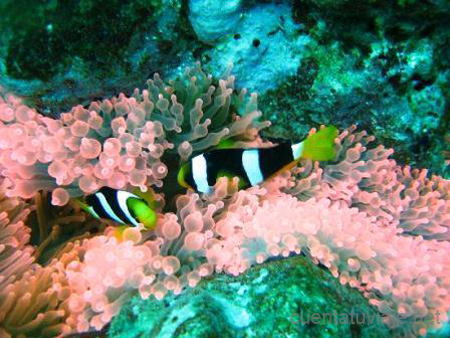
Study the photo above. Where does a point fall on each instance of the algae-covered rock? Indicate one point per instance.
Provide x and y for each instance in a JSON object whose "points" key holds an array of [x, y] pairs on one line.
{"points": [[382, 65], [60, 53], [212, 20], [265, 48], [282, 298]]}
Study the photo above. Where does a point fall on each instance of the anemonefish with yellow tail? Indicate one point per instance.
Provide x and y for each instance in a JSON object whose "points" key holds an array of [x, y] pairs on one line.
{"points": [[254, 165], [201, 172], [123, 207]]}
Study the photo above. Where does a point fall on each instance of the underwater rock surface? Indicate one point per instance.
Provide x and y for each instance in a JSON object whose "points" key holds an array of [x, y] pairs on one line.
{"points": [[265, 49], [265, 301], [212, 20], [61, 53], [379, 64]]}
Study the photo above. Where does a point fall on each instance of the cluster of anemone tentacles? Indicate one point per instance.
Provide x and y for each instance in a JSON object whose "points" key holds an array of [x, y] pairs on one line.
{"points": [[381, 228]]}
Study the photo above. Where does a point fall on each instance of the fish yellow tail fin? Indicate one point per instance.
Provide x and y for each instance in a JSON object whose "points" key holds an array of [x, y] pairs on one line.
{"points": [[320, 146]]}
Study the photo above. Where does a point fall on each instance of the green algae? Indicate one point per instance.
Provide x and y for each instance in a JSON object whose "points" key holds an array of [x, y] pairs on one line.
{"points": [[266, 301]]}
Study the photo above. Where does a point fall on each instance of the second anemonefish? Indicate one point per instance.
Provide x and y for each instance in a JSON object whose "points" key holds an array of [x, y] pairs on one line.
{"points": [[201, 172], [254, 165], [123, 207]]}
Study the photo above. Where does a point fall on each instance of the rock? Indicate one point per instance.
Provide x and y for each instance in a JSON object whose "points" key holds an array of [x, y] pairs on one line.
{"points": [[266, 48], [213, 19], [271, 299]]}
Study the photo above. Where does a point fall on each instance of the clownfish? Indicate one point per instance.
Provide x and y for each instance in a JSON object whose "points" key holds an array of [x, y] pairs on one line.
{"points": [[123, 207], [254, 165]]}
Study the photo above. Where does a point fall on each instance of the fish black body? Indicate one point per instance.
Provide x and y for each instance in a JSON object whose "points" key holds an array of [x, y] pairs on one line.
{"points": [[253, 165], [201, 172], [120, 206]]}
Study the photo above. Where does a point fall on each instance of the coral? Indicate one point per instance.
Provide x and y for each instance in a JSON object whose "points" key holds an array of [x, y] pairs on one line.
{"points": [[446, 151], [64, 21], [232, 230], [380, 228], [331, 87], [120, 142]]}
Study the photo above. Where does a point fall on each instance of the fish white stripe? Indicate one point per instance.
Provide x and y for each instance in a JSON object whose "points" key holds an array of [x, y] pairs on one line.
{"points": [[122, 197], [200, 173], [104, 203], [250, 161], [297, 150]]}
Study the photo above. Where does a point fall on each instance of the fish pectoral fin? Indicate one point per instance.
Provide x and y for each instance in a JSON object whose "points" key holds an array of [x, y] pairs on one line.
{"points": [[286, 167], [118, 232], [87, 208], [225, 144], [242, 184], [182, 173]]}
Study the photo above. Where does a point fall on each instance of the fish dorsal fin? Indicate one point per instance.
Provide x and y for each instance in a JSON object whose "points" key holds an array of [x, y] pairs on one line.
{"points": [[225, 144], [278, 140]]}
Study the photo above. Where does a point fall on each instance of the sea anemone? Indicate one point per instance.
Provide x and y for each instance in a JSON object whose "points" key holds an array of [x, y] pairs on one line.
{"points": [[378, 227]]}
